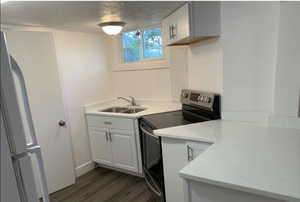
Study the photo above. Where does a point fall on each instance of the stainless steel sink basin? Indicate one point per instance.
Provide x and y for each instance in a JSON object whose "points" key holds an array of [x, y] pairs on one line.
{"points": [[134, 110], [115, 109], [125, 110]]}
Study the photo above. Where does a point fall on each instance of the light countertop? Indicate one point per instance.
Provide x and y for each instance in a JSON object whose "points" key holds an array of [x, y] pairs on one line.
{"points": [[152, 107], [256, 159]]}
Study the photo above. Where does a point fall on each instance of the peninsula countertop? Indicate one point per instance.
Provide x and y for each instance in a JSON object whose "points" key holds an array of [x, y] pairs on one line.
{"points": [[247, 157]]}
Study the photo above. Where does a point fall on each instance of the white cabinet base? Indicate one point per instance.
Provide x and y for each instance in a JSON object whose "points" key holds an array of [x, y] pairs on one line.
{"points": [[176, 155], [124, 151], [115, 143], [198, 191], [138, 174], [101, 150]]}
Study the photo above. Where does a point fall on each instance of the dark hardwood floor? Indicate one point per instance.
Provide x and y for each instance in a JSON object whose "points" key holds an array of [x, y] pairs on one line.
{"points": [[104, 185]]}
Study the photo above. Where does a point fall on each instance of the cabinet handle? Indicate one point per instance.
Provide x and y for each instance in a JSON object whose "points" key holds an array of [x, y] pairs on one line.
{"points": [[174, 30], [110, 136], [107, 122], [170, 32], [190, 153], [106, 136]]}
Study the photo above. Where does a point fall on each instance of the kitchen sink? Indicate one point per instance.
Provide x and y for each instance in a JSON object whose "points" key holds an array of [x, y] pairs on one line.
{"points": [[124, 110], [134, 110], [115, 109]]}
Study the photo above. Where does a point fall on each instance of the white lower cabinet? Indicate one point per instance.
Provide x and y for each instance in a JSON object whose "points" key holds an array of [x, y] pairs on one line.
{"points": [[176, 155], [101, 148], [124, 151], [198, 191], [113, 143]]}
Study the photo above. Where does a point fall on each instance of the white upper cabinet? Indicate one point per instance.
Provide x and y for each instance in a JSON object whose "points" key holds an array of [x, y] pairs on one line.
{"points": [[194, 21]]}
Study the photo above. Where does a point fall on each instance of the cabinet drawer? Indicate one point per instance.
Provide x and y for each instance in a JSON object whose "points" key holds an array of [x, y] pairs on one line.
{"points": [[110, 122]]}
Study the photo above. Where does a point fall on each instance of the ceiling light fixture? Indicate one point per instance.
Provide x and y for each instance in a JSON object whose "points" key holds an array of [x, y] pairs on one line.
{"points": [[112, 28]]}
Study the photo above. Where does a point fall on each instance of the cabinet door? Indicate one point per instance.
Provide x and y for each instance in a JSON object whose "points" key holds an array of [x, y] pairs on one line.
{"points": [[182, 29], [174, 159], [176, 26], [167, 26], [124, 150], [100, 146], [176, 155]]}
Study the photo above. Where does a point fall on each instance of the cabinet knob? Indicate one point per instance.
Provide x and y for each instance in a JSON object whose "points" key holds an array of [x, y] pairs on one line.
{"points": [[61, 123]]}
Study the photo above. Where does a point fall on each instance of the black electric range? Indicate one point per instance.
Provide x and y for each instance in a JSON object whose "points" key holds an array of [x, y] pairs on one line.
{"points": [[196, 107]]}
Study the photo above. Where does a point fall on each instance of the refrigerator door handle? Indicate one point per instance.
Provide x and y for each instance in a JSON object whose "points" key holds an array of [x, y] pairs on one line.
{"points": [[37, 151], [15, 67]]}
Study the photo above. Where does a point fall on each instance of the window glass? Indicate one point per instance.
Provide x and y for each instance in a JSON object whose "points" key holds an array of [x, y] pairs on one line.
{"points": [[145, 44], [152, 43], [131, 46]]}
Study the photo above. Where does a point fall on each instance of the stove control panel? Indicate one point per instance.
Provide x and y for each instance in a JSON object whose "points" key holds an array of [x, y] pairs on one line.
{"points": [[199, 98]]}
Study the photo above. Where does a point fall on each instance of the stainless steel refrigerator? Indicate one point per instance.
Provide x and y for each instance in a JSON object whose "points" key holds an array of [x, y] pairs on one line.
{"points": [[18, 141]]}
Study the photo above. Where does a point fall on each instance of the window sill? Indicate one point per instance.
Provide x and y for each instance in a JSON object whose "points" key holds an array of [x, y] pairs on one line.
{"points": [[143, 65]]}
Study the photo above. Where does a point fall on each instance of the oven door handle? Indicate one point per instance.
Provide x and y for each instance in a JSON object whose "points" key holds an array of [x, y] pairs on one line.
{"points": [[148, 133], [152, 186]]}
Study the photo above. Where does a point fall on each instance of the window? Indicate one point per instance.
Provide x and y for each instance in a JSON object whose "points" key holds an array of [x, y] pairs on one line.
{"points": [[142, 44]]}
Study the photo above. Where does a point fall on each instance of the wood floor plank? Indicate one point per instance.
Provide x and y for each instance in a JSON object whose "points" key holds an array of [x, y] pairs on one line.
{"points": [[81, 182], [131, 193], [104, 185]]}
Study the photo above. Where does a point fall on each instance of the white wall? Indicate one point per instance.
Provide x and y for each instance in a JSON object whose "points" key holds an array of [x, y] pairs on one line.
{"points": [[86, 78], [143, 84], [287, 91], [205, 66], [148, 83], [249, 41], [286, 111], [198, 67], [179, 70]]}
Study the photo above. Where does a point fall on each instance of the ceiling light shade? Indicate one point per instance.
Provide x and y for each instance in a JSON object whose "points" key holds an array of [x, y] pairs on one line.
{"points": [[112, 28]]}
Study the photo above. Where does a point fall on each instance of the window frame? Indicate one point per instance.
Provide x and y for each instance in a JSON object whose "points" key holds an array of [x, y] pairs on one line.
{"points": [[162, 44], [145, 63]]}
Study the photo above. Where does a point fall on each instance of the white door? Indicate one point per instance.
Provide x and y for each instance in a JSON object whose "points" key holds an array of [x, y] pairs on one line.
{"points": [[100, 146], [124, 150], [35, 54]]}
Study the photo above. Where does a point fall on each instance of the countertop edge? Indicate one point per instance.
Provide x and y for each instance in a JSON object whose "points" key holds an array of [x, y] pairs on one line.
{"points": [[119, 115], [197, 139], [251, 190]]}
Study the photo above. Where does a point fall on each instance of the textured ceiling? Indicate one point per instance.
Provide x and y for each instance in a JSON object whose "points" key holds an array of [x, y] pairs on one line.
{"points": [[84, 16]]}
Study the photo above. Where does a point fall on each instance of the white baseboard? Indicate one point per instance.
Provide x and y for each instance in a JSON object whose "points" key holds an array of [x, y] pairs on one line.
{"points": [[121, 170], [84, 168]]}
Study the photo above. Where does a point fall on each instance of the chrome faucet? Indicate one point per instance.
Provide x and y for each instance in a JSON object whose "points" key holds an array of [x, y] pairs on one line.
{"points": [[132, 100]]}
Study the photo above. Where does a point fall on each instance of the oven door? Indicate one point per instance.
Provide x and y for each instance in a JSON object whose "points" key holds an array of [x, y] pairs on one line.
{"points": [[154, 187], [151, 147], [152, 160]]}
